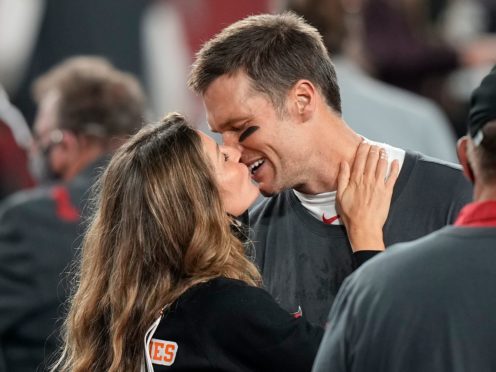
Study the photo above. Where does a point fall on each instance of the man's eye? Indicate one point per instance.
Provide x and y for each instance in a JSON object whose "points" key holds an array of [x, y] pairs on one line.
{"points": [[226, 156]]}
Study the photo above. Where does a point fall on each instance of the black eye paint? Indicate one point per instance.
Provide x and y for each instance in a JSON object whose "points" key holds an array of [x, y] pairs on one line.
{"points": [[248, 132]]}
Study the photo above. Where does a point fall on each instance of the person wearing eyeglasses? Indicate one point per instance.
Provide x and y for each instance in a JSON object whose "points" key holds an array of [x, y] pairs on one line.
{"points": [[86, 109]]}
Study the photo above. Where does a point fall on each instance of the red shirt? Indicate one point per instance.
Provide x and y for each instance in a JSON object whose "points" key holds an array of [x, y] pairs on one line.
{"points": [[478, 214], [14, 174]]}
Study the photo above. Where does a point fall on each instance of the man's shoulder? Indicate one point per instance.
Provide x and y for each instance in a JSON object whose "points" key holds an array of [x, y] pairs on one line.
{"points": [[59, 201], [428, 269], [429, 162], [437, 173], [25, 201], [22, 220], [418, 261]]}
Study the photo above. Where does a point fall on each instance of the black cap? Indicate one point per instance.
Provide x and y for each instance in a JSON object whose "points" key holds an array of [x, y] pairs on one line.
{"points": [[482, 106]]}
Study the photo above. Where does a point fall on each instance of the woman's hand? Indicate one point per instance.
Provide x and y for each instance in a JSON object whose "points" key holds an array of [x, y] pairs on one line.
{"points": [[364, 196]]}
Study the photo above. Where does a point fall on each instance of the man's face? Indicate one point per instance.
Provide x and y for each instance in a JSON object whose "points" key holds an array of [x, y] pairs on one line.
{"points": [[270, 145], [46, 137]]}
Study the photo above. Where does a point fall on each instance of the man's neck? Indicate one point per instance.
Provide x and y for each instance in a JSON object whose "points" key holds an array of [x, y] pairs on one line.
{"points": [[393, 154], [483, 192], [330, 148], [87, 157]]}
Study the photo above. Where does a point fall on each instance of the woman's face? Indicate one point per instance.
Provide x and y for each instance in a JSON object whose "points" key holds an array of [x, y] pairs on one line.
{"points": [[236, 188]]}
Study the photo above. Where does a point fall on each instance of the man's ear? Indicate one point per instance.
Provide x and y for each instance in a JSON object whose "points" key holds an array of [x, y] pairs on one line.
{"points": [[69, 143], [462, 151], [303, 96], [65, 153]]}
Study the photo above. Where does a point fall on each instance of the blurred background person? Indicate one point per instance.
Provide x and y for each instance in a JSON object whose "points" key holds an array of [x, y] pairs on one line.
{"points": [[182, 26], [35, 35], [86, 109], [419, 45], [154, 39], [15, 139], [379, 111]]}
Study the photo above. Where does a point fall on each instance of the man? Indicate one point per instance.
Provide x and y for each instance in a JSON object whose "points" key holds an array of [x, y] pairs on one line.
{"points": [[429, 305], [270, 88], [44, 32], [86, 108]]}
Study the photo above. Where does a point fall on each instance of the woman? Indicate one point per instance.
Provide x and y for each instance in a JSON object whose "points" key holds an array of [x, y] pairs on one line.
{"points": [[160, 252]]}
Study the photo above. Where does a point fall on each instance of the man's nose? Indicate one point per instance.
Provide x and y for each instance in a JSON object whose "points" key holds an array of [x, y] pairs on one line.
{"points": [[236, 154], [231, 139]]}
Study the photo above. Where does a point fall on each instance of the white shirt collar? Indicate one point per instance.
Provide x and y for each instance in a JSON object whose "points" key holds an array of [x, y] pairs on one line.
{"points": [[323, 206]]}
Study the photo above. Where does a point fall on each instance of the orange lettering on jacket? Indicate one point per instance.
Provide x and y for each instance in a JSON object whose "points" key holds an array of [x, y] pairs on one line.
{"points": [[162, 352]]}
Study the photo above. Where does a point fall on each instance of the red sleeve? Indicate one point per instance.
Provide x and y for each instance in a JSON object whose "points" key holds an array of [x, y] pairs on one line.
{"points": [[14, 174]]}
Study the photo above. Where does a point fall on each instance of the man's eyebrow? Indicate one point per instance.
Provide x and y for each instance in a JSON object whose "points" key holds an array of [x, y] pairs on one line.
{"points": [[248, 132]]}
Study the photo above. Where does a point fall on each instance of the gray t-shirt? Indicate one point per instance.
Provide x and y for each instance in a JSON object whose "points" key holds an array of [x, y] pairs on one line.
{"points": [[424, 306], [304, 261]]}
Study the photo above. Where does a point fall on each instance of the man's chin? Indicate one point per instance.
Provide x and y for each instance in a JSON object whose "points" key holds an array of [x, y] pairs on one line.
{"points": [[267, 194], [269, 191]]}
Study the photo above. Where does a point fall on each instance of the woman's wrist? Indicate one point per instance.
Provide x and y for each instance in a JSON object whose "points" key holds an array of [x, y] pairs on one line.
{"points": [[366, 239]]}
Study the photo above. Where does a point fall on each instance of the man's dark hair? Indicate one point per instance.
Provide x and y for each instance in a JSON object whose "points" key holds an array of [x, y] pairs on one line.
{"points": [[485, 153], [95, 98], [275, 51], [482, 126]]}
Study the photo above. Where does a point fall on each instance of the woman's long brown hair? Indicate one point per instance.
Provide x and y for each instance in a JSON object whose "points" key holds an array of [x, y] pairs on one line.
{"points": [[159, 228]]}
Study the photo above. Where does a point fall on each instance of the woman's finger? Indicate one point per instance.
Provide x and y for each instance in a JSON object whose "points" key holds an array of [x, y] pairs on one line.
{"points": [[382, 166], [371, 162], [393, 174], [343, 178], [359, 162]]}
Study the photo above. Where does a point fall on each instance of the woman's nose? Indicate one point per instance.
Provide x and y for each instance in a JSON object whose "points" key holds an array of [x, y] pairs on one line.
{"points": [[233, 152]]}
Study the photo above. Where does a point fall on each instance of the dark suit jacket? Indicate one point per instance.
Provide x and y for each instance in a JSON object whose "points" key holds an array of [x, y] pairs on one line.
{"points": [[39, 231]]}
